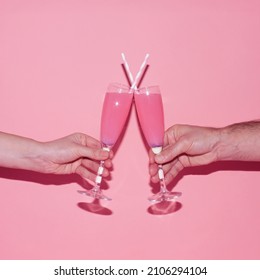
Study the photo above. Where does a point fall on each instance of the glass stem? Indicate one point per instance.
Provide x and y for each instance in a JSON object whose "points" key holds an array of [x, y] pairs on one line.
{"points": [[98, 180], [99, 176], [161, 177]]}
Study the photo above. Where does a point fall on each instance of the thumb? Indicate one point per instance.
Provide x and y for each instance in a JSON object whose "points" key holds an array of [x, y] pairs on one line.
{"points": [[171, 152], [166, 155], [93, 153]]}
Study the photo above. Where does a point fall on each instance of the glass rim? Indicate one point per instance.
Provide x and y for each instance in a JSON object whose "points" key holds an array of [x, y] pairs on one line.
{"points": [[128, 89], [148, 89]]}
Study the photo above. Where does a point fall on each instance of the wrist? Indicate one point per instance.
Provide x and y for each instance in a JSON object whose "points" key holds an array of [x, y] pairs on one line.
{"points": [[239, 142], [34, 157], [20, 152], [226, 147]]}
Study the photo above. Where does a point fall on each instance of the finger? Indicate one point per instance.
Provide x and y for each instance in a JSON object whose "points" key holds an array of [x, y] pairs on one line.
{"points": [[92, 153], [153, 170], [172, 151], [166, 138], [169, 178], [151, 156], [170, 171], [85, 140], [173, 172], [108, 163], [85, 174], [166, 155], [93, 167], [111, 154], [92, 142]]}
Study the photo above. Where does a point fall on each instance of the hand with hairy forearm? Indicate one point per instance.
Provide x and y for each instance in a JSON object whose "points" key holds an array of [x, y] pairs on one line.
{"points": [[76, 153], [186, 146]]}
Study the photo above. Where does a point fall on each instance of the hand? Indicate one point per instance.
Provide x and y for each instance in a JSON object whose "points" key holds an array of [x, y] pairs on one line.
{"points": [[184, 146], [76, 153]]}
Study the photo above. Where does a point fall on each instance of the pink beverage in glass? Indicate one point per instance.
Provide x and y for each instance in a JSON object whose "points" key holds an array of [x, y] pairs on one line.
{"points": [[150, 114], [116, 107], [149, 108]]}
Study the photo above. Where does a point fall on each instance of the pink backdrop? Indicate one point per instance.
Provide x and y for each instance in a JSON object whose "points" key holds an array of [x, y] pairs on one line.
{"points": [[56, 59]]}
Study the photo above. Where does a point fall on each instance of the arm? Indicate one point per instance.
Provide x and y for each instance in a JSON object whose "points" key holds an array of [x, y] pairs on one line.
{"points": [[187, 146], [76, 153], [240, 141]]}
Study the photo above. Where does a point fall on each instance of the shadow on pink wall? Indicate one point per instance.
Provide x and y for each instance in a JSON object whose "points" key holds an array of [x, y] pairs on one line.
{"points": [[95, 207]]}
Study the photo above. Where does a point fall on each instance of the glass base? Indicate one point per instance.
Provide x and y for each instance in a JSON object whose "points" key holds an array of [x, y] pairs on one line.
{"points": [[164, 196], [97, 194]]}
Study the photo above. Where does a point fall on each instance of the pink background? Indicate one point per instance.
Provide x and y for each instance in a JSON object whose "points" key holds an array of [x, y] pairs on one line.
{"points": [[56, 59]]}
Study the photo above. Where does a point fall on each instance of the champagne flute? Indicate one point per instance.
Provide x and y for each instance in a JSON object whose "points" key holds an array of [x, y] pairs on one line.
{"points": [[149, 108], [116, 107]]}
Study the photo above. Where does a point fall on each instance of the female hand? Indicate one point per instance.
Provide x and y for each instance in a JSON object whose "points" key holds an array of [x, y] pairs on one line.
{"points": [[76, 153]]}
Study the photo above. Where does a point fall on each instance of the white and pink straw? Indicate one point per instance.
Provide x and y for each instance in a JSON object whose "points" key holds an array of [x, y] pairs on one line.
{"points": [[135, 81]]}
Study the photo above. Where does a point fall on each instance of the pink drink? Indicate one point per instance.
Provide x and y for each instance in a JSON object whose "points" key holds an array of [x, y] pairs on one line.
{"points": [[150, 114], [115, 111]]}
